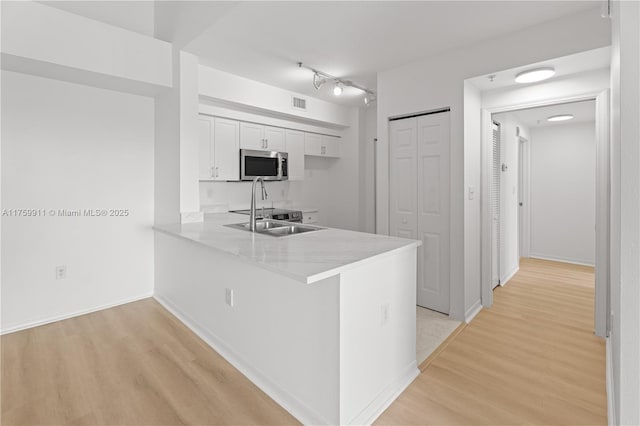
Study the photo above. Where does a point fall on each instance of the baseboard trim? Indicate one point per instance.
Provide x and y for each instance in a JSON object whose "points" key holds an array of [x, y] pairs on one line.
{"points": [[471, 313], [74, 314], [510, 275], [611, 396], [296, 408], [559, 259], [386, 397]]}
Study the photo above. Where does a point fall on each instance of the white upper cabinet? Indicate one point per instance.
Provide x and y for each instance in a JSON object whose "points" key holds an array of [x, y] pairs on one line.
{"points": [[262, 138], [321, 145], [274, 138], [331, 146], [219, 141], [295, 149]]}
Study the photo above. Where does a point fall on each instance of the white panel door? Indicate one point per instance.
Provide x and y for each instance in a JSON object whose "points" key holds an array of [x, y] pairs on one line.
{"points": [[433, 144], [403, 179], [295, 149], [226, 148]]}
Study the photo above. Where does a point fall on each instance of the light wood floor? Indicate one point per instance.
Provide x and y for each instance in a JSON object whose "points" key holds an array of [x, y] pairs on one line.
{"points": [[530, 359], [135, 364]]}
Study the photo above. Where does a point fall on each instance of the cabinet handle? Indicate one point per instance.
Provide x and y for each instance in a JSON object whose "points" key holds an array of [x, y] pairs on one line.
{"points": [[213, 172], [266, 143], [323, 150], [217, 171]]}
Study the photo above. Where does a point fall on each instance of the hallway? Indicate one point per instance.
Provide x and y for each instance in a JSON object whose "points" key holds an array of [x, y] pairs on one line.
{"points": [[530, 359]]}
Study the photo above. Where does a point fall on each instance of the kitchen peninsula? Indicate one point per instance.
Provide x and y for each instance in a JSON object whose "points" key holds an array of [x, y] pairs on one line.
{"points": [[323, 322]]}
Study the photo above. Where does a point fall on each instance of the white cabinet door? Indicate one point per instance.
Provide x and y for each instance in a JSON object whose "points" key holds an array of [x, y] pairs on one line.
{"points": [[322, 145], [295, 149], [312, 144], [226, 149], [205, 143], [252, 136], [274, 138], [330, 146]]}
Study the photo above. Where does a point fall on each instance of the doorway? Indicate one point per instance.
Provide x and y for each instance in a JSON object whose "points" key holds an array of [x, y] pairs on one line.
{"points": [[554, 190]]}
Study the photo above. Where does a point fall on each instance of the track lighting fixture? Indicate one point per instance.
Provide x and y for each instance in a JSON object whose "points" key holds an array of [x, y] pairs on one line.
{"points": [[320, 78]]}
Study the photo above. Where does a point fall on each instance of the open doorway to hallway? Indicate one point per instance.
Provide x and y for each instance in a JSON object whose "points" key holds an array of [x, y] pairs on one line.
{"points": [[544, 186]]}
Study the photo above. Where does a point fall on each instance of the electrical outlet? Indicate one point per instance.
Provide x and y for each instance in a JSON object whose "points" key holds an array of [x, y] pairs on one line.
{"points": [[61, 272], [229, 297], [384, 313]]}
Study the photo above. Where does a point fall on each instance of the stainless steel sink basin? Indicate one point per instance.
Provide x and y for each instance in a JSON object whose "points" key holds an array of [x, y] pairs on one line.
{"points": [[276, 228]]}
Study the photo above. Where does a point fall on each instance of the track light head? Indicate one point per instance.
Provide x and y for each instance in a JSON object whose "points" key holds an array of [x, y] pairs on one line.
{"points": [[338, 88], [369, 98], [318, 81]]}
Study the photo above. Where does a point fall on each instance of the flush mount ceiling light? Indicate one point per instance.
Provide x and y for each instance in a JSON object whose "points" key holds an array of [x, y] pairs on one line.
{"points": [[561, 117], [320, 78], [535, 75]]}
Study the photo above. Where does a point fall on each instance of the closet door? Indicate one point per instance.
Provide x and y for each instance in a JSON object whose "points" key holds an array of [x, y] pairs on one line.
{"points": [[495, 206], [433, 147], [402, 179]]}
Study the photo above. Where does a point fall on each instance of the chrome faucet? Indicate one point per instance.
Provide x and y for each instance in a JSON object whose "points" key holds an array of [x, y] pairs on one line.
{"points": [[252, 214]]}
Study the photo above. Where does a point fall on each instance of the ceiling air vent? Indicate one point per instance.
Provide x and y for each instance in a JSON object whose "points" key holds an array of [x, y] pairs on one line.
{"points": [[298, 103]]}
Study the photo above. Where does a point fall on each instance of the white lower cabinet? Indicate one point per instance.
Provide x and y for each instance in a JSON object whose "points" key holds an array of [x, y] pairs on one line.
{"points": [[219, 152], [295, 149], [321, 145]]}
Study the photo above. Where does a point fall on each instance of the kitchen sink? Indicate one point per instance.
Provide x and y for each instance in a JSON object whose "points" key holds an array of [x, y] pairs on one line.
{"points": [[276, 228]]}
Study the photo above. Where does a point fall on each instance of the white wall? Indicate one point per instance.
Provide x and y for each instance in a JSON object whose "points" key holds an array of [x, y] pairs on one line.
{"points": [[623, 366], [67, 146], [76, 48], [563, 164], [472, 214], [509, 210], [368, 132], [227, 87], [438, 82]]}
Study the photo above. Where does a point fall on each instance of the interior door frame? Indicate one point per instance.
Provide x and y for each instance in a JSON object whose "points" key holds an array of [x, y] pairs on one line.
{"points": [[603, 189]]}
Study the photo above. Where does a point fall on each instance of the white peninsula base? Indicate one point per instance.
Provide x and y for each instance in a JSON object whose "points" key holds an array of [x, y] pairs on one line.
{"points": [[334, 351]]}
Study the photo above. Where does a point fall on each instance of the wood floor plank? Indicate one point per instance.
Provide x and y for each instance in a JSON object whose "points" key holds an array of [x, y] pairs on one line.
{"points": [[530, 359]]}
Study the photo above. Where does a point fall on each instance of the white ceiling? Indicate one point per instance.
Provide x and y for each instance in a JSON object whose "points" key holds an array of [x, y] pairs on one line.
{"points": [[355, 40], [131, 15], [583, 112], [564, 66], [263, 40]]}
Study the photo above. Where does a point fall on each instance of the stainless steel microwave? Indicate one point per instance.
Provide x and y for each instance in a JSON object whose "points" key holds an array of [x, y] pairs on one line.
{"points": [[270, 165]]}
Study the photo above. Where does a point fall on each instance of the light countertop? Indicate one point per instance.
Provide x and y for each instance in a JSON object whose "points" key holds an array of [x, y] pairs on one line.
{"points": [[307, 257]]}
